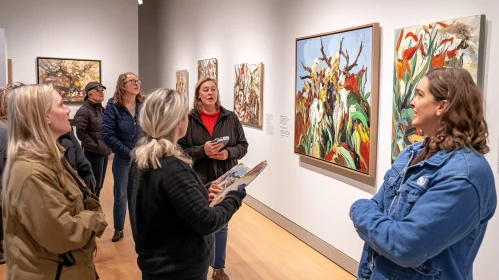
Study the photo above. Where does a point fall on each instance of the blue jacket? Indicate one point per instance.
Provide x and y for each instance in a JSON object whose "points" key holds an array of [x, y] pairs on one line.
{"points": [[120, 131], [427, 221]]}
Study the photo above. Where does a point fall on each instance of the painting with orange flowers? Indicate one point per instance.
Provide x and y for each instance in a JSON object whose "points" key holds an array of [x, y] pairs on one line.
{"points": [[336, 98], [450, 43], [68, 76]]}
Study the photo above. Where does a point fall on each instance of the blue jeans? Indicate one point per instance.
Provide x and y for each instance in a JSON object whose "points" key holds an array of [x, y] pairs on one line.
{"points": [[99, 166], [120, 173], [220, 247]]}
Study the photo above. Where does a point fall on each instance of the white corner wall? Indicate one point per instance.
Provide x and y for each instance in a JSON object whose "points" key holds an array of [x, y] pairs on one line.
{"points": [[91, 29], [175, 34]]}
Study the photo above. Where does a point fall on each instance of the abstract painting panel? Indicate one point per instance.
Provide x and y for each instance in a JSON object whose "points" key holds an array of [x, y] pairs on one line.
{"points": [[248, 93], [208, 68], [336, 98], [182, 81], [420, 48], [68, 76]]}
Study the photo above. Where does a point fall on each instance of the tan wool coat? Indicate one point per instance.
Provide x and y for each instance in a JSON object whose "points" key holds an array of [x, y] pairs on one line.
{"points": [[44, 216]]}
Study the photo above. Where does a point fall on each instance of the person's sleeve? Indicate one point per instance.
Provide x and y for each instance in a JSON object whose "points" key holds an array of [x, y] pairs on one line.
{"points": [[241, 148], [82, 122], [83, 166], [183, 192], [194, 152], [109, 127], [49, 221], [440, 217]]}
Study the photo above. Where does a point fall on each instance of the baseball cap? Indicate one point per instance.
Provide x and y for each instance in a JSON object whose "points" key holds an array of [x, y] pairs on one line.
{"points": [[93, 85]]}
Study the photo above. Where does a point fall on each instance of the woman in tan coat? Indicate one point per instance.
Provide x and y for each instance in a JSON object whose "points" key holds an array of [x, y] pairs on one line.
{"points": [[50, 217]]}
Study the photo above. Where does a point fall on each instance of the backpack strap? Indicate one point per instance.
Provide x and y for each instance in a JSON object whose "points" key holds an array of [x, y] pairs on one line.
{"points": [[65, 259]]}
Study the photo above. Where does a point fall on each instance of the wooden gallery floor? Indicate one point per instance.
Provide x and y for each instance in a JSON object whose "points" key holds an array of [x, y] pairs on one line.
{"points": [[257, 249]]}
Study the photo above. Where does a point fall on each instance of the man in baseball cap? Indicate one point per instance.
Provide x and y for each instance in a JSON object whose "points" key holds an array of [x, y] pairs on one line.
{"points": [[91, 86]]}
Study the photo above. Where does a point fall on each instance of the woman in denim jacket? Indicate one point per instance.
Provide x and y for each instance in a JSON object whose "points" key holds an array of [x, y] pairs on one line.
{"points": [[429, 217]]}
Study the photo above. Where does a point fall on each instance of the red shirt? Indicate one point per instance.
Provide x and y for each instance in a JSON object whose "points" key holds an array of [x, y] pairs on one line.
{"points": [[209, 120]]}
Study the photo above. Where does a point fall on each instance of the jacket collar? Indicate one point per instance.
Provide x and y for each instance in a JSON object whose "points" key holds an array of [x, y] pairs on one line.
{"points": [[62, 150], [93, 104], [223, 113], [111, 101], [437, 159]]}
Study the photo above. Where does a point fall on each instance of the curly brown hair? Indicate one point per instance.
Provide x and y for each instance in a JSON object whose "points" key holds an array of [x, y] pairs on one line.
{"points": [[120, 94], [197, 104], [463, 123]]}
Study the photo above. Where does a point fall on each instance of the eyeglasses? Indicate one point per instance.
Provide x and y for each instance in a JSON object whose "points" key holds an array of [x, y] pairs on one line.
{"points": [[135, 82], [101, 91]]}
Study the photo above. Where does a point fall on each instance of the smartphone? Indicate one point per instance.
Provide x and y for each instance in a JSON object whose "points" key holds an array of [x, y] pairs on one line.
{"points": [[224, 140]]}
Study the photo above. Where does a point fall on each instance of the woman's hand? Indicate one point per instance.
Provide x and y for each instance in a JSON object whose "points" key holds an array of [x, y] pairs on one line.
{"points": [[211, 196], [215, 188], [222, 155], [211, 148]]}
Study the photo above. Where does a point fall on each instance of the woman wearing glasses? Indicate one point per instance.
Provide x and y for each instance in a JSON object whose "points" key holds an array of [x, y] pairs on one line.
{"points": [[120, 132]]}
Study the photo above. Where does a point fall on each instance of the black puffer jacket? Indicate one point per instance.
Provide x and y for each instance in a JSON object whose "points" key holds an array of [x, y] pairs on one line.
{"points": [[88, 122], [74, 155], [197, 135]]}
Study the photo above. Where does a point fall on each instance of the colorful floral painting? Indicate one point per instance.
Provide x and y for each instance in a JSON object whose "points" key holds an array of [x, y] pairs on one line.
{"points": [[248, 94], [208, 68], [449, 43], [336, 97], [182, 81], [68, 76]]}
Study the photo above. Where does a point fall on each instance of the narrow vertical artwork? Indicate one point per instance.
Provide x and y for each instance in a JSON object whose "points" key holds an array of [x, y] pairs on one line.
{"points": [[182, 82], [248, 94], [336, 99], [208, 68], [420, 48], [9, 71]]}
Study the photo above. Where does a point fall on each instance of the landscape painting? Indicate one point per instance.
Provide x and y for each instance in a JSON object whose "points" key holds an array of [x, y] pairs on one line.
{"points": [[248, 94], [68, 76], [336, 99], [449, 43]]}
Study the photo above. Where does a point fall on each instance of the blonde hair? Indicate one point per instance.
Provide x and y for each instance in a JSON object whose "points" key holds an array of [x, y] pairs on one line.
{"points": [[197, 104], [120, 93], [30, 138], [159, 116]]}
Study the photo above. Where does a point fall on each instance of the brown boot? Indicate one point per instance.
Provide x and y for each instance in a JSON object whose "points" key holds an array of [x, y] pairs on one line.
{"points": [[219, 274]]}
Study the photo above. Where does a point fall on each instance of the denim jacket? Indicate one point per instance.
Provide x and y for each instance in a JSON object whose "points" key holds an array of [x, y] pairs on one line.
{"points": [[427, 221]]}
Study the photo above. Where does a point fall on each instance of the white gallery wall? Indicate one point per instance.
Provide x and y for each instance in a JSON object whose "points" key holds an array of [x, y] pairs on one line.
{"points": [[90, 29], [175, 34]]}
